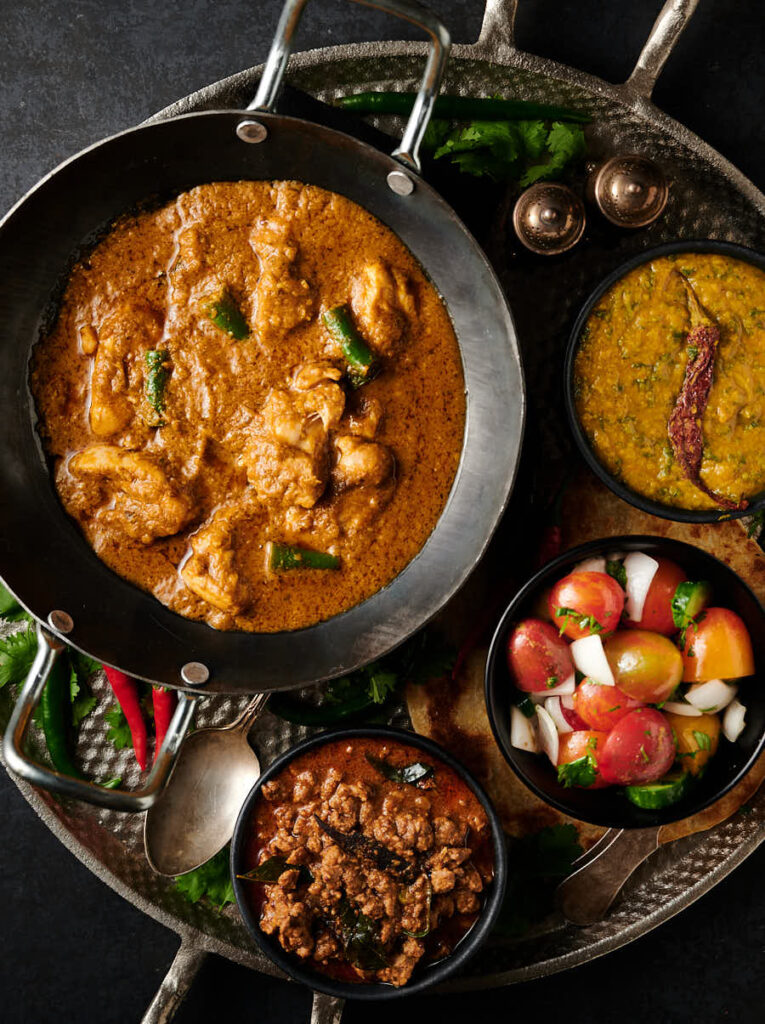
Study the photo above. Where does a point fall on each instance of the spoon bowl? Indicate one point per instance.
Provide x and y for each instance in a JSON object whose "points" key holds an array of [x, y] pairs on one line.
{"points": [[195, 817]]}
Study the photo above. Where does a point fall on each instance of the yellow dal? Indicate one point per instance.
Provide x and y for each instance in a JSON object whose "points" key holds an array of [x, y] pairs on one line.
{"points": [[630, 366]]}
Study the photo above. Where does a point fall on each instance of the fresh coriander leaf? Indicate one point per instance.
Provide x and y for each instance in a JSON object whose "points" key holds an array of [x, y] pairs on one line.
{"points": [[17, 652], [583, 621], [616, 569], [83, 704], [644, 754], [551, 681], [111, 783], [381, 685], [436, 133], [703, 739], [581, 772], [564, 145], [211, 881], [119, 730], [533, 136], [85, 666], [8, 602], [756, 523]]}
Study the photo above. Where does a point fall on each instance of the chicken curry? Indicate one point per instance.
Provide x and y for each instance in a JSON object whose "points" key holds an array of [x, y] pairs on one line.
{"points": [[254, 403]]}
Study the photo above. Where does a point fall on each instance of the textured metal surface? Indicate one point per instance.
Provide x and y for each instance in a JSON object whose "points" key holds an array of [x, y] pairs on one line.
{"points": [[708, 198]]}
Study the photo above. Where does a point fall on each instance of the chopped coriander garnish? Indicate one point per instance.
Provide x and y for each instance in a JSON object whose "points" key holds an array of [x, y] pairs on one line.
{"points": [[616, 569], [582, 772], [703, 739], [583, 621]]}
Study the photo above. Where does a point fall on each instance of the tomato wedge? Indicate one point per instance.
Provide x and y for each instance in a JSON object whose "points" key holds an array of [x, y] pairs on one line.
{"points": [[586, 602], [657, 610], [718, 646], [601, 707], [638, 749], [645, 665], [538, 658]]}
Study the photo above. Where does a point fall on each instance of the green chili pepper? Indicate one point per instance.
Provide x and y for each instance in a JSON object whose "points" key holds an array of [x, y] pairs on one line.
{"points": [[362, 366], [156, 381], [225, 314], [56, 713], [285, 556], [461, 108]]}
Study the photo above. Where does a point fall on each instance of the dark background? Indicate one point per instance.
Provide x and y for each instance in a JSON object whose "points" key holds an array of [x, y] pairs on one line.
{"points": [[72, 71]]}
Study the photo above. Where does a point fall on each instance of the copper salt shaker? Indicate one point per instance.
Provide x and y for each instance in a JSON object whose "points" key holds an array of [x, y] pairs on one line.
{"points": [[630, 191], [549, 218]]}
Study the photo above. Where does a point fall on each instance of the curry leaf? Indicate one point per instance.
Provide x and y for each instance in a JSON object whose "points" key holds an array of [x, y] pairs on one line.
{"points": [[411, 774], [271, 869]]}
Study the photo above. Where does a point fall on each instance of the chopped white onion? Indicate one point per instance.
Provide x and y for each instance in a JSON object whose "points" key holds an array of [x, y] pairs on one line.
{"points": [[552, 706], [567, 702], [591, 565], [548, 734], [523, 733], [640, 569], [734, 720], [714, 695], [590, 658], [562, 689], [676, 707]]}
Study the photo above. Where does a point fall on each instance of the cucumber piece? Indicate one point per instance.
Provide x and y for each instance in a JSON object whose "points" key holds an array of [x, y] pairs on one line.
{"points": [[655, 796], [690, 599]]}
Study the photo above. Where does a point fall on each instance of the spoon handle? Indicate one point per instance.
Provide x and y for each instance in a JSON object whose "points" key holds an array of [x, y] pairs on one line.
{"points": [[244, 722]]}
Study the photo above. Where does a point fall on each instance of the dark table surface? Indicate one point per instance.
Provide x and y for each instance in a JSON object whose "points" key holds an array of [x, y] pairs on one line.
{"points": [[73, 71]]}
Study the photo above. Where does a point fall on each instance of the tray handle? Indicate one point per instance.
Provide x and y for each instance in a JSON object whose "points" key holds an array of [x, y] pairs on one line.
{"points": [[49, 646], [175, 984], [667, 29], [407, 152], [497, 36], [587, 894], [326, 1009]]}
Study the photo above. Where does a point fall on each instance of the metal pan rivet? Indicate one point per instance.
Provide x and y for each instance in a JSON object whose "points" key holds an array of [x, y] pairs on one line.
{"points": [[194, 673], [400, 183], [62, 622], [251, 131]]}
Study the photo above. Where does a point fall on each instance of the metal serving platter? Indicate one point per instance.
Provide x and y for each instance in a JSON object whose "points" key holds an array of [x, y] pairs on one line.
{"points": [[709, 199]]}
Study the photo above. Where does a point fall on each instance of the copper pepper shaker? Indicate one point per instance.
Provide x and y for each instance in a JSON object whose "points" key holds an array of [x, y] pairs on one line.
{"points": [[549, 218], [631, 191]]}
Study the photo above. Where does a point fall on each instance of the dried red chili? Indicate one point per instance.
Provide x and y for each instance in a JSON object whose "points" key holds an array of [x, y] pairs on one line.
{"points": [[684, 426]]}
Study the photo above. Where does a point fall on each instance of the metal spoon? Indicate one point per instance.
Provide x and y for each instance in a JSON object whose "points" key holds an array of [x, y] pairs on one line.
{"points": [[195, 816]]}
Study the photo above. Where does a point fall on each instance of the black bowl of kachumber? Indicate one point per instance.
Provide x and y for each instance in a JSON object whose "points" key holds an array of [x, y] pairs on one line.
{"points": [[672, 331], [377, 864]]}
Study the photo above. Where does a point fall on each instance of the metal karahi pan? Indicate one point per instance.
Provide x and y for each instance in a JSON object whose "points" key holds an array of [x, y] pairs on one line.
{"points": [[48, 565], [709, 199]]}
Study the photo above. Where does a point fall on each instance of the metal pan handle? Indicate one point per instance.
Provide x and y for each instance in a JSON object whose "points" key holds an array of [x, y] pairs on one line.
{"points": [[667, 29], [408, 152], [49, 647]]}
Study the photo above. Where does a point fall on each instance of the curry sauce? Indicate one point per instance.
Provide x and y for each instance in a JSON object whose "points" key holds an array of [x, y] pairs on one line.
{"points": [[198, 410], [630, 366]]}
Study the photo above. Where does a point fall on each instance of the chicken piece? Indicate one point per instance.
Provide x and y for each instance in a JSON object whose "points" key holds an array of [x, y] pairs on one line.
{"points": [[211, 570], [382, 302], [146, 504], [365, 419], [287, 460], [283, 297], [123, 337], [307, 375], [361, 463]]}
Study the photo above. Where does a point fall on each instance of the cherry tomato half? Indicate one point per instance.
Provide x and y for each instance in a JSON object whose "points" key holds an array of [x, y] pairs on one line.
{"points": [[696, 738], [638, 749], [590, 599], [601, 707], [717, 647], [657, 610], [538, 658], [647, 666], [573, 745], [576, 722]]}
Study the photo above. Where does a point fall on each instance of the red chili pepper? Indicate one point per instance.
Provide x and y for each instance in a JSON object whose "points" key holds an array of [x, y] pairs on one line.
{"points": [[684, 426], [164, 702], [126, 691]]}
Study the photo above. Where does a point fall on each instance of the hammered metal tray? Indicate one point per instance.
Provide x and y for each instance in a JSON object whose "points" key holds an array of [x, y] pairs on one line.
{"points": [[709, 199]]}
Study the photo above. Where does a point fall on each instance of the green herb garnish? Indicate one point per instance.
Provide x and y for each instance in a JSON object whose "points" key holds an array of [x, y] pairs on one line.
{"points": [[271, 869], [616, 569], [211, 881], [583, 621], [410, 774], [703, 739], [157, 376], [582, 772]]}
